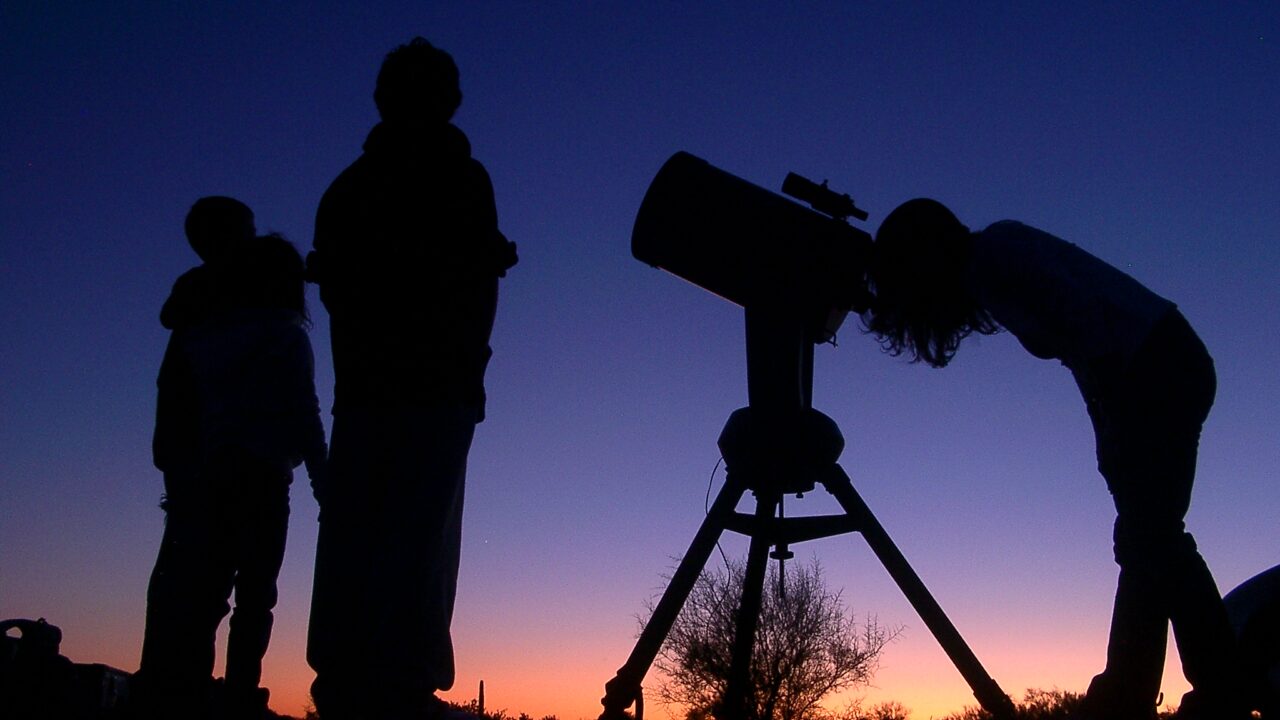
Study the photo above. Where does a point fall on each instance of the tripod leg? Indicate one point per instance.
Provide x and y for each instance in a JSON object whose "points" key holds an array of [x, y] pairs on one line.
{"points": [[737, 694], [985, 689], [624, 688]]}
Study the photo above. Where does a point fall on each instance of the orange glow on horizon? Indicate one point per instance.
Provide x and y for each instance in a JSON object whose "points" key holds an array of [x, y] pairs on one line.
{"points": [[551, 668], [922, 680]]}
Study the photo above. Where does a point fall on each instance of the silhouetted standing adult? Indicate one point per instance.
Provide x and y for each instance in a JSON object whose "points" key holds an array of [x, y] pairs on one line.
{"points": [[236, 413], [1148, 384], [407, 256]]}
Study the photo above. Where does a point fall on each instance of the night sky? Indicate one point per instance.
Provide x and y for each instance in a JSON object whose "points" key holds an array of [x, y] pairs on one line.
{"points": [[1146, 135]]}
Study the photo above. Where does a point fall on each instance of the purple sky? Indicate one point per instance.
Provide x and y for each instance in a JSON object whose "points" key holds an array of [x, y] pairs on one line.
{"points": [[1146, 136]]}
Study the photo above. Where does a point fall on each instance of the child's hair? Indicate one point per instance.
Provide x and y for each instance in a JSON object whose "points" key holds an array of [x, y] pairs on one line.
{"points": [[215, 222], [417, 80], [921, 305], [277, 272]]}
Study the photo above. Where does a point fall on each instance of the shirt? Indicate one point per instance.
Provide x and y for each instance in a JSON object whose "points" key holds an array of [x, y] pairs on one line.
{"points": [[1061, 302]]}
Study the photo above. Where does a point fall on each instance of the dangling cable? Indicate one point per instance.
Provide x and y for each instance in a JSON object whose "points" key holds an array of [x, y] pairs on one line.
{"points": [[706, 502], [706, 508], [782, 553]]}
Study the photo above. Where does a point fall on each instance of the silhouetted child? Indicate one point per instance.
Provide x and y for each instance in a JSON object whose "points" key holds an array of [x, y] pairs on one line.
{"points": [[407, 256], [221, 231], [237, 412], [1148, 384]]}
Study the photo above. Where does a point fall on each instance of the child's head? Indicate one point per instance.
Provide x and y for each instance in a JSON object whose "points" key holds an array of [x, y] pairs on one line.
{"points": [[417, 83], [216, 224], [918, 266]]}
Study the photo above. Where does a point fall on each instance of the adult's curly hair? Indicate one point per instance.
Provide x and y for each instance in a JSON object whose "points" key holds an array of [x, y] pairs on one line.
{"points": [[921, 307]]}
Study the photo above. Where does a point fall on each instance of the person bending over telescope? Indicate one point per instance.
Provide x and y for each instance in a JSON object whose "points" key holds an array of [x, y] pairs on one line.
{"points": [[1148, 384]]}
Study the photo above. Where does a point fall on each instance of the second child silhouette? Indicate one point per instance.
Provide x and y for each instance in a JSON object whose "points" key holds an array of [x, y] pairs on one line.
{"points": [[236, 413]]}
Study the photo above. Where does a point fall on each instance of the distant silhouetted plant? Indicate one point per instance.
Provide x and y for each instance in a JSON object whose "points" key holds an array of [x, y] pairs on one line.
{"points": [[806, 648], [473, 708], [1040, 705], [880, 711]]}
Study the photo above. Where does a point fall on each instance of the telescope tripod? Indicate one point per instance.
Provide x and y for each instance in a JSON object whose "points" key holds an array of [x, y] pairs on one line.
{"points": [[779, 445]]}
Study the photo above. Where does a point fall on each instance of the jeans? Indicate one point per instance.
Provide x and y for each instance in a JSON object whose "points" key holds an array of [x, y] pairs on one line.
{"points": [[387, 558], [225, 530], [1148, 422]]}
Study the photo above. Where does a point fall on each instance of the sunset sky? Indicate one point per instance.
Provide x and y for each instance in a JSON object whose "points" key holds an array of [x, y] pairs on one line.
{"points": [[1148, 134]]}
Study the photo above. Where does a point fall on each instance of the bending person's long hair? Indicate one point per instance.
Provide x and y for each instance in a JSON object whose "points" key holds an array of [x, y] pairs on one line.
{"points": [[922, 308]]}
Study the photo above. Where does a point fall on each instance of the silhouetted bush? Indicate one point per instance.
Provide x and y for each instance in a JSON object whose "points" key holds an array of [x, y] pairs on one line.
{"points": [[807, 647], [880, 711], [1039, 705]]}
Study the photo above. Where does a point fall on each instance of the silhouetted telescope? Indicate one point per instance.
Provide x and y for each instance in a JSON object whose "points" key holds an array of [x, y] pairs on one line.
{"points": [[754, 247], [797, 273]]}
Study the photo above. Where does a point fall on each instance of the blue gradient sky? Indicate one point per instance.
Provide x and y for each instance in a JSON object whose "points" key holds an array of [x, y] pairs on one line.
{"points": [[1147, 135]]}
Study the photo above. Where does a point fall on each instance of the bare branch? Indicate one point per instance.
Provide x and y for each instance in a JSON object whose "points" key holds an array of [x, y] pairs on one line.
{"points": [[806, 647]]}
